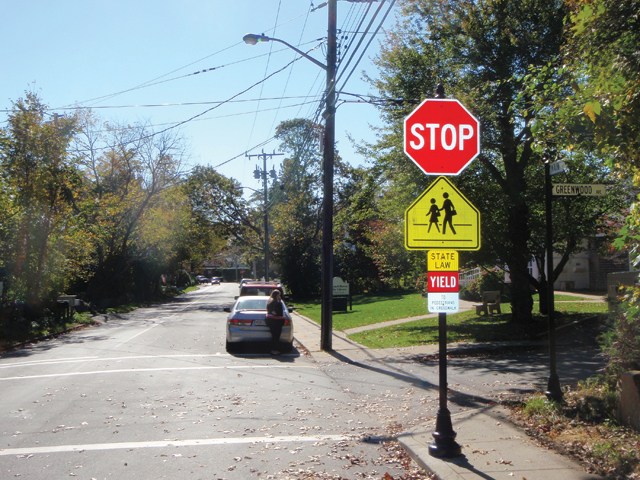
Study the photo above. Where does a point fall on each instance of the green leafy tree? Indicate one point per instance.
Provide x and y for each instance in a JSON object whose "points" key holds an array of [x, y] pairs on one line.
{"points": [[477, 50], [601, 113], [355, 226], [296, 207], [216, 203], [129, 174], [40, 185]]}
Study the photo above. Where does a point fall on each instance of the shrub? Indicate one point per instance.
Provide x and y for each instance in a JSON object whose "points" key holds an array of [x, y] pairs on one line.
{"points": [[488, 281], [421, 282]]}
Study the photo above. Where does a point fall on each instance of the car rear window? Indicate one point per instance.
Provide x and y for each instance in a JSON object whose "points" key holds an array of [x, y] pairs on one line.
{"points": [[252, 304], [256, 290]]}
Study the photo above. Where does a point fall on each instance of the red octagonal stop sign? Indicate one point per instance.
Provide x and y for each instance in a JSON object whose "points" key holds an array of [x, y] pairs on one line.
{"points": [[441, 137]]}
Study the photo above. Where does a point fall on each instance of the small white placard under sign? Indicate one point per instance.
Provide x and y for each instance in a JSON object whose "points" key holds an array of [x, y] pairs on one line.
{"points": [[446, 302]]}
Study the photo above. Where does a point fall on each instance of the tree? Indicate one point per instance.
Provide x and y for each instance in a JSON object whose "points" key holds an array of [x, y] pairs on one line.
{"points": [[603, 72], [296, 207], [355, 226], [569, 123], [477, 50], [216, 203], [130, 174], [40, 186]]}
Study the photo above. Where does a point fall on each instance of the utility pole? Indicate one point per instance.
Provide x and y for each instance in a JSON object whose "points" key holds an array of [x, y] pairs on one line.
{"points": [[326, 326], [262, 174]]}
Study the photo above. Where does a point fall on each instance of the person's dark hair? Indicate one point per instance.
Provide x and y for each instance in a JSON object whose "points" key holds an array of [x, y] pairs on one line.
{"points": [[275, 294]]}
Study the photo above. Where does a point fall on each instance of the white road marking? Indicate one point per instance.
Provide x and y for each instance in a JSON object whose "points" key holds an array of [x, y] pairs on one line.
{"points": [[54, 361], [174, 443], [46, 362], [139, 333], [167, 369]]}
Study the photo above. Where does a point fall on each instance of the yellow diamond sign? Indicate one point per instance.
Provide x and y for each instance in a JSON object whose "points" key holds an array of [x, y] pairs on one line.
{"points": [[442, 218]]}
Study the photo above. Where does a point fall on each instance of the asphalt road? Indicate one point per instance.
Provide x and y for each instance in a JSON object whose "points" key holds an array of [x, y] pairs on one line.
{"points": [[153, 394]]}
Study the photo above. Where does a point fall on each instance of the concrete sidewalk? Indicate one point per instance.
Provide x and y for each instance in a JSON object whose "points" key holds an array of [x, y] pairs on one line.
{"points": [[493, 448]]}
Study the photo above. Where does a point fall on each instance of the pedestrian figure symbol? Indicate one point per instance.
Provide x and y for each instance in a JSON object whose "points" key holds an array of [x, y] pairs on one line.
{"points": [[434, 213], [449, 212]]}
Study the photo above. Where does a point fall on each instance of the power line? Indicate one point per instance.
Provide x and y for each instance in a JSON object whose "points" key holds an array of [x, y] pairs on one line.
{"points": [[183, 104], [360, 41], [369, 43], [150, 82]]}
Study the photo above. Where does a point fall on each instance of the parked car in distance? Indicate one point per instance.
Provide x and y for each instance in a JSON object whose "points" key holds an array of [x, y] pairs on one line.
{"points": [[246, 323], [202, 279]]}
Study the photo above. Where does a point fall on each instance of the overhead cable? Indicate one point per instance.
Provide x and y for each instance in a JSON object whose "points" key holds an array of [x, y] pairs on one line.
{"points": [[367, 46]]}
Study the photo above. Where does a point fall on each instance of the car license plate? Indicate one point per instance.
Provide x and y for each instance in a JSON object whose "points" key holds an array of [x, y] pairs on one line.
{"points": [[259, 323]]}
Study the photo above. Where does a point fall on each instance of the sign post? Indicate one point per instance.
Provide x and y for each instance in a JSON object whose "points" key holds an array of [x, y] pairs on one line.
{"points": [[554, 391], [442, 138]]}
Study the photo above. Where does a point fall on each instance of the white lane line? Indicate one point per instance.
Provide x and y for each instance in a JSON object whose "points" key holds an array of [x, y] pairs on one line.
{"points": [[139, 333], [55, 361], [52, 361], [167, 369], [175, 443]]}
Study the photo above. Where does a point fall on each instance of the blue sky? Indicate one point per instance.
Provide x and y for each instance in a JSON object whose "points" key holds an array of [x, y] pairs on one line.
{"points": [[84, 51]]}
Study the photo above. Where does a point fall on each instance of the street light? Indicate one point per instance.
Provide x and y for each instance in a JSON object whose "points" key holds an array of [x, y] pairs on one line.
{"points": [[328, 157], [252, 39]]}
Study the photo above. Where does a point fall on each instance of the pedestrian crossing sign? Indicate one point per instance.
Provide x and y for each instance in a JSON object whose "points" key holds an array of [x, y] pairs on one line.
{"points": [[442, 217]]}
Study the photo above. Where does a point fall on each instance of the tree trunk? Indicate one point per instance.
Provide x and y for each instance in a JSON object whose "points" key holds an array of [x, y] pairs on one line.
{"points": [[518, 261], [542, 293], [521, 300]]}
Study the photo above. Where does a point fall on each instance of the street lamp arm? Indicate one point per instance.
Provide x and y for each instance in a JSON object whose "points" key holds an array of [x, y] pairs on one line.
{"points": [[252, 39], [249, 188]]}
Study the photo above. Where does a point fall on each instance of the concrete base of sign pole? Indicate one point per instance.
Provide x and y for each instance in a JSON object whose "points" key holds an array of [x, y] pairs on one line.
{"points": [[444, 445]]}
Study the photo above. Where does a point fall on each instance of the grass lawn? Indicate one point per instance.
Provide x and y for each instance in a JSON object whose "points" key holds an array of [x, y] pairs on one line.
{"points": [[370, 309], [461, 327]]}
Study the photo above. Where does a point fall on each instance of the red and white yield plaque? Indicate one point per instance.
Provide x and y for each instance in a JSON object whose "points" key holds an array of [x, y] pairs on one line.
{"points": [[443, 285]]}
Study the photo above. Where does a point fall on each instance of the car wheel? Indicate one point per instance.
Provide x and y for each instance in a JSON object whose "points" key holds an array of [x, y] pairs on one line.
{"points": [[231, 347], [288, 347]]}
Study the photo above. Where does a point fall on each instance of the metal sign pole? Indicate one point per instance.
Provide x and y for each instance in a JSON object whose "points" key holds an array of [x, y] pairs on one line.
{"points": [[554, 391], [445, 444]]}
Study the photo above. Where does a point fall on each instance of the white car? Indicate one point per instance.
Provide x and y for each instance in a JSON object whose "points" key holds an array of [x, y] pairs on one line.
{"points": [[246, 323]]}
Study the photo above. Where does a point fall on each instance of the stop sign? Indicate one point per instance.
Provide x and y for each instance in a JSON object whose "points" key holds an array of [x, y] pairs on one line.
{"points": [[441, 137]]}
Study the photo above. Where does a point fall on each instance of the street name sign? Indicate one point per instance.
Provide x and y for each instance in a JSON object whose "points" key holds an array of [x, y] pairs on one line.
{"points": [[441, 136], [442, 218], [578, 189], [557, 167]]}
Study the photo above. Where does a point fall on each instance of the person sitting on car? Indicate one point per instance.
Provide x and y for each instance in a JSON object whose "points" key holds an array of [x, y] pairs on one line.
{"points": [[275, 320]]}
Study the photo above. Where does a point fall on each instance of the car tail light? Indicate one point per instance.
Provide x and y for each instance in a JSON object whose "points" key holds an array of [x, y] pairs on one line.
{"points": [[287, 321], [240, 321]]}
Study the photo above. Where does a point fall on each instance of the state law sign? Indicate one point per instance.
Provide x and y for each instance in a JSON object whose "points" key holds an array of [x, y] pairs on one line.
{"points": [[441, 136]]}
